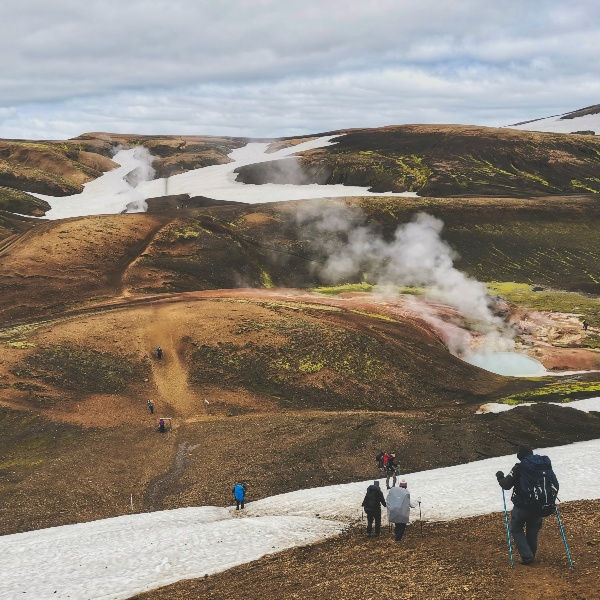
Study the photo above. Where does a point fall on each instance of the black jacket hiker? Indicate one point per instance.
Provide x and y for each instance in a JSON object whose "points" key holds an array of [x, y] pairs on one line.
{"points": [[525, 521], [372, 504]]}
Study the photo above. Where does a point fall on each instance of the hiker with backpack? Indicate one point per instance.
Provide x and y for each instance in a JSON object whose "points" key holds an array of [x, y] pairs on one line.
{"points": [[239, 494], [372, 504], [151, 406], [391, 470], [534, 486], [159, 352], [398, 508]]}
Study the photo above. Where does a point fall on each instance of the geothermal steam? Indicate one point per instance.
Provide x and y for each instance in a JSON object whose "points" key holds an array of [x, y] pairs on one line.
{"points": [[143, 172], [414, 256]]}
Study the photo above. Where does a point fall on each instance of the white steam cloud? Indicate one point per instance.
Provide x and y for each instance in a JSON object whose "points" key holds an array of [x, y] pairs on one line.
{"points": [[416, 256], [144, 171]]}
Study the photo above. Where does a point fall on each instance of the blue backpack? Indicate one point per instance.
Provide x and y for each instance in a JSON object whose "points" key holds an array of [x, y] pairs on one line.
{"points": [[238, 491], [538, 484]]}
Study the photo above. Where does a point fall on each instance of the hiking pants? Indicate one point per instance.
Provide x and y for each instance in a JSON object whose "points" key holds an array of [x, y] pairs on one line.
{"points": [[373, 516], [392, 475], [239, 504], [526, 541], [399, 531]]}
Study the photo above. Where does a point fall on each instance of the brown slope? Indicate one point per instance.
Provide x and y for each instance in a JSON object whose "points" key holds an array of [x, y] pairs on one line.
{"points": [[74, 393], [447, 160], [466, 559], [55, 168], [61, 263]]}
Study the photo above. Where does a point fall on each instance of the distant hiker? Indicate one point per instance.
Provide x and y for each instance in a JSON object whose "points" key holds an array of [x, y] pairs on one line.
{"points": [[585, 325], [161, 425], [239, 493], [151, 406], [398, 508], [379, 460], [372, 504], [159, 352], [534, 495], [391, 469]]}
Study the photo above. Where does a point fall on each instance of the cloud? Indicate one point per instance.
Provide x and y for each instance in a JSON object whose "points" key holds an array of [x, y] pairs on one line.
{"points": [[265, 67]]}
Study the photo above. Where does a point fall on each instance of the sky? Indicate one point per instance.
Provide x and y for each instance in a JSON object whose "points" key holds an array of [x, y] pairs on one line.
{"points": [[119, 557], [273, 68]]}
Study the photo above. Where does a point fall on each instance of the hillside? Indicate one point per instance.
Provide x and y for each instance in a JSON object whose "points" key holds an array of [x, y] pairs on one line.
{"points": [[446, 160], [287, 371]]}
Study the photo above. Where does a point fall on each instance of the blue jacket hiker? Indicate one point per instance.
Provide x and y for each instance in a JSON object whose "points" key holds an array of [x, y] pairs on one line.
{"points": [[239, 493]]}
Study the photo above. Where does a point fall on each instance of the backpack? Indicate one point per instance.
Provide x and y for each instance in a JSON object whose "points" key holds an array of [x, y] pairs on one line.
{"points": [[371, 501], [238, 491], [386, 457], [538, 485]]}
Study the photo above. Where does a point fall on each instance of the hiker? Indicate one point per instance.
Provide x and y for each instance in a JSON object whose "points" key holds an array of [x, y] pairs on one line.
{"points": [[239, 493], [585, 325], [398, 508], [161, 425], [527, 513], [151, 406], [379, 460], [372, 504], [159, 352], [391, 469]]}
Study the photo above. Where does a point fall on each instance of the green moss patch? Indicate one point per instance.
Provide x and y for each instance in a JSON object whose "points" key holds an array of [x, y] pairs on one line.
{"points": [[556, 392], [75, 368]]}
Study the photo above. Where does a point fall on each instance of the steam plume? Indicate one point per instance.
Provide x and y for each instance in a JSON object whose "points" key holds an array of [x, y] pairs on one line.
{"points": [[415, 256]]}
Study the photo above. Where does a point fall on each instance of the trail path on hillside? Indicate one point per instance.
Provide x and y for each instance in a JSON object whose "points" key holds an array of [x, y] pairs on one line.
{"points": [[170, 374]]}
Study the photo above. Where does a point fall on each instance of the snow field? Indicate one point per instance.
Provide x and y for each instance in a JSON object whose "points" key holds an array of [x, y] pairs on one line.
{"points": [[110, 194], [119, 557]]}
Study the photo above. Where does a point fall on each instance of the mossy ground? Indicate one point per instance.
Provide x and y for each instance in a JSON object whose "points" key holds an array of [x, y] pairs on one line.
{"points": [[80, 369]]}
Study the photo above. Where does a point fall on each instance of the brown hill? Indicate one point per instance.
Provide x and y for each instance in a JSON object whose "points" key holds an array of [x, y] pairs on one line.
{"points": [[253, 375], [446, 160]]}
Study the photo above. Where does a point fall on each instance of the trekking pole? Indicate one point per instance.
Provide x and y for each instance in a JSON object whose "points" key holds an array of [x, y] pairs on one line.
{"points": [[564, 537], [512, 562], [421, 519]]}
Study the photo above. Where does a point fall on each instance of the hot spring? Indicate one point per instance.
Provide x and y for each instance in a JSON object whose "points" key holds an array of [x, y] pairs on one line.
{"points": [[507, 363]]}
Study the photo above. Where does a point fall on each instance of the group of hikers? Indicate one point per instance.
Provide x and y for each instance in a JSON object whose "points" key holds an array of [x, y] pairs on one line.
{"points": [[534, 493]]}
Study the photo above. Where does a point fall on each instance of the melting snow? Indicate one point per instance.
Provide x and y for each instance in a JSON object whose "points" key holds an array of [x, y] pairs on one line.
{"points": [[110, 194], [119, 557]]}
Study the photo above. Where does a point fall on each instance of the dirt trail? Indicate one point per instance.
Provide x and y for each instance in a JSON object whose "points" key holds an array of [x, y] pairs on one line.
{"points": [[170, 373]]}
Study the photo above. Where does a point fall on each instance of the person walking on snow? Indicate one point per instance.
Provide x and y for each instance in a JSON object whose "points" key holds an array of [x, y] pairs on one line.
{"points": [[151, 406], [398, 508], [525, 521], [239, 493], [391, 469], [372, 504]]}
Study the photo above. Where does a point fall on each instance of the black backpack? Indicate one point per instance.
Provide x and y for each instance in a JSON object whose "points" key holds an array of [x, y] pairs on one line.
{"points": [[538, 484], [371, 501]]}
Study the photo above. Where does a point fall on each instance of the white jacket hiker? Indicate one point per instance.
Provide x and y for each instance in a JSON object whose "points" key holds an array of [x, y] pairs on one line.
{"points": [[398, 508]]}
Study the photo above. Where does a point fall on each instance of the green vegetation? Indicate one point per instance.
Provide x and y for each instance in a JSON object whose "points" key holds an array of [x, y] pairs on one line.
{"points": [[28, 442], [587, 307], [556, 392], [19, 202], [75, 368], [344, 288]]}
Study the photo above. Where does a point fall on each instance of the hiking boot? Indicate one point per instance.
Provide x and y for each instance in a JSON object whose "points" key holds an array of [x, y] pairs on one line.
{"points": [[527, 561]]}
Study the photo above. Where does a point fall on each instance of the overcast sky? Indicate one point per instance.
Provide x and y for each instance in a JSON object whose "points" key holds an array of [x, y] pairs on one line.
{"points": [[287, 67]]}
